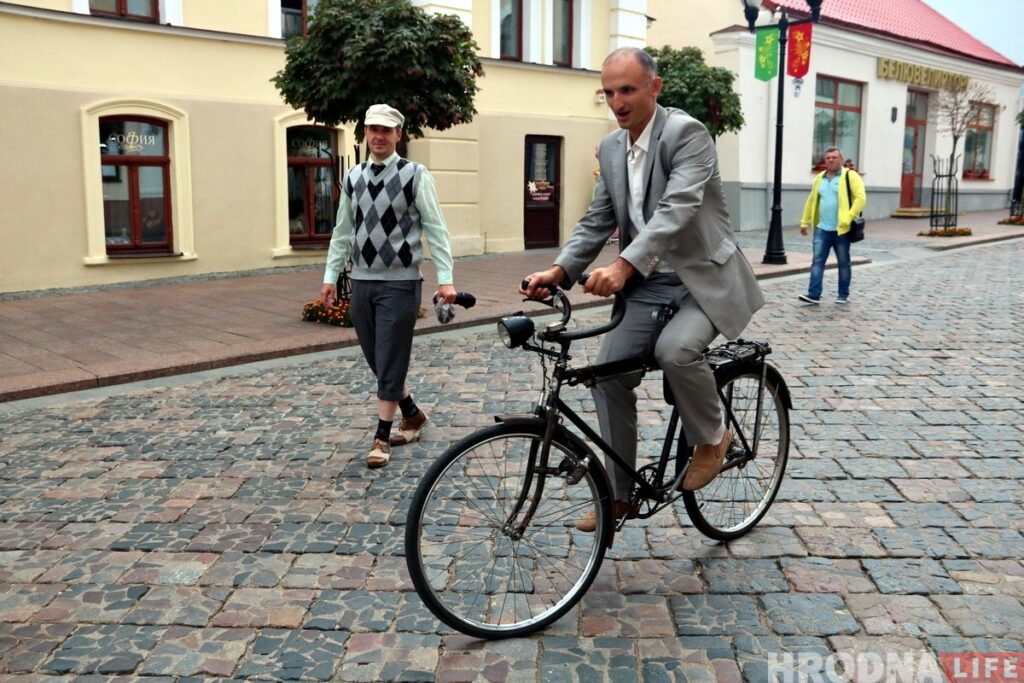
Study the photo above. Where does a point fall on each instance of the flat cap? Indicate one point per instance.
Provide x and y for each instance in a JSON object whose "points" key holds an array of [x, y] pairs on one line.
{"points": [[383, 115]]}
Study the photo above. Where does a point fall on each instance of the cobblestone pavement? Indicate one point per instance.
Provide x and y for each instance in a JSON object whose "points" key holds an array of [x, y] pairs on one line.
{"points": [[226, 527]]}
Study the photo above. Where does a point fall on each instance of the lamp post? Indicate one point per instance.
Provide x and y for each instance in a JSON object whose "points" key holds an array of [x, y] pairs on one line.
{"points": [[774, 251]]}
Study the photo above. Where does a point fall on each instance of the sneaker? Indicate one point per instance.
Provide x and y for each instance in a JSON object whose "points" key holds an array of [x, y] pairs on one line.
{"points": [[807, 299], [707, 463], [379, 455], [588, 522], [409, 429], [842, 299]]}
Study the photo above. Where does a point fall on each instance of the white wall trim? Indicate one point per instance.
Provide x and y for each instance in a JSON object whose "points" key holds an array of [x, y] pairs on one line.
{"points": [[581, 48], [80, 6], [179, 145], [171, 13], [274, 18], [533, 32]]}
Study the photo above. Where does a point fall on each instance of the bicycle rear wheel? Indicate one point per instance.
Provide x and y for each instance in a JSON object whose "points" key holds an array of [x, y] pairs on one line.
{"points": [[740, 495], [470, 561]]}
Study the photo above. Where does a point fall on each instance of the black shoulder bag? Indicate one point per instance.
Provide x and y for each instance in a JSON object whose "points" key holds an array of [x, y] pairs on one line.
{"points": [[857, 224]]}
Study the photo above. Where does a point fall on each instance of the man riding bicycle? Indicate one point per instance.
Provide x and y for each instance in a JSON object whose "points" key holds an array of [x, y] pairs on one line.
{"points": [[660, 187]]}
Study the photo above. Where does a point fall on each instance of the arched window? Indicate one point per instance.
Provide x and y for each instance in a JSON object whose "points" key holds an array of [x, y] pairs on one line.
{"points": [[313, 188], [135, 167]]}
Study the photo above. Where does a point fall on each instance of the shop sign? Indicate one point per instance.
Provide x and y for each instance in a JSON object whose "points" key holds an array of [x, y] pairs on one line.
{"points": [[540, 190], [921, 75]]}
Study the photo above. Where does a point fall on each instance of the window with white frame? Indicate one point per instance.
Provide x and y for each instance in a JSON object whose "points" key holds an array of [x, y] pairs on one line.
{"points": [[978, 142]]}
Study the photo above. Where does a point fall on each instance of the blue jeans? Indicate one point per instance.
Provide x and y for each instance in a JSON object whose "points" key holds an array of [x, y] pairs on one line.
{"points": [[824, 240]]}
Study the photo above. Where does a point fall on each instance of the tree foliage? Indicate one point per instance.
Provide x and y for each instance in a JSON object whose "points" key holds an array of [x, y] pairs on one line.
{"points": [[704, 92], [361, 52]]}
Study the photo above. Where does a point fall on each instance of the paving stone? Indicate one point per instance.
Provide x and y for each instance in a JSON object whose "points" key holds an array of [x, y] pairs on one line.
{"points": [[808, 614], [23, 566], [614, 614], [898, 615], [871, 515], [983, 615], [792, 515], [229, 537], [768, 541], [258, 570], [587, 659], [743, 576], [264, 607], [92, 566], [92, 603], [824, 575], [185, 605], [389, 656], [923, 542], [107, 649], [24, 647], [312, 537], [342, 572], [154, 536], [352, 610], [925, 514], [469, 659], [181, 569], [988, 577], [782, 659], [910, 576], [293, 655], [993, 515], [990, 543], [715, 615], [200, 652], [659, 577], [26, 535], [20, 601], [883, 658], [840, 543], [390, 574], [930, 490]]}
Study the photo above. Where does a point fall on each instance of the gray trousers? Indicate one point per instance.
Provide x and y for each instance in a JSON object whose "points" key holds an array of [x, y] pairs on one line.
{"points": [[384, 315], [678, 351]]}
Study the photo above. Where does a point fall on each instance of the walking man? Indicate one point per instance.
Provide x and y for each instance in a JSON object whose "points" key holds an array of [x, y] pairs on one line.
{"points": [[660, 187], [837, 197], [387, 205]]}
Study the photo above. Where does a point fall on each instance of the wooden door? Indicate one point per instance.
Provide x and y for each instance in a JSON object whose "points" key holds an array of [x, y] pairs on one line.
{"points": [[913, 148], [541, 194]]}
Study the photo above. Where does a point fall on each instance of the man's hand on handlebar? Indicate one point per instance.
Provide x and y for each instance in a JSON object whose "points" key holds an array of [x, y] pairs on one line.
{"points": [[540, 285], [610, 279]]}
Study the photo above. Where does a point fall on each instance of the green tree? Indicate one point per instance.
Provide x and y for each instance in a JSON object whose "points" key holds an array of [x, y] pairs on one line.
{"points": [[360, 52], [704, 92]]}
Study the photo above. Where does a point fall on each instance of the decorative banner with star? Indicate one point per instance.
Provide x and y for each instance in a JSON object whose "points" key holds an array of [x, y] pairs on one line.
{"points": [[766, 50], [798, 53]]}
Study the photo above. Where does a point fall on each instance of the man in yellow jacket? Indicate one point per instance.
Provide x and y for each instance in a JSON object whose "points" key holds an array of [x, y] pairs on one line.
{"points": [[831, 206]]}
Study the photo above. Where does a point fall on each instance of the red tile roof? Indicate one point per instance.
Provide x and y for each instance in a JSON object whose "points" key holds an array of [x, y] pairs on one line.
{"points": [[909, 20]]}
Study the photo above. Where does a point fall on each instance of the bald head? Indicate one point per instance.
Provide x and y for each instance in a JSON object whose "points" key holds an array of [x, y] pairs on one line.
{"points": [[641, 57]]}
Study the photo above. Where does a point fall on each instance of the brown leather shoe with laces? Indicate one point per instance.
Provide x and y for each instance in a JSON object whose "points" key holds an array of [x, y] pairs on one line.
{"points": [[588, 522], [706, 463], [409, 429], [379, 455]]}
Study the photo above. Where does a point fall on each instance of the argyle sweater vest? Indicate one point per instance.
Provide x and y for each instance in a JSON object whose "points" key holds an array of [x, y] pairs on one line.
{"points": [[387, 235]]}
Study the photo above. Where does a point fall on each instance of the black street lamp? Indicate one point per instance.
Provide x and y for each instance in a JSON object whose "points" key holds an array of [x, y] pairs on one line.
{"points": [[774, 251]]}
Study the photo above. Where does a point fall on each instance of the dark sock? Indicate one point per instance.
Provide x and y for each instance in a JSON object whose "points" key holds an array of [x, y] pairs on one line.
{"points": [[383, 430], [408, 407]]}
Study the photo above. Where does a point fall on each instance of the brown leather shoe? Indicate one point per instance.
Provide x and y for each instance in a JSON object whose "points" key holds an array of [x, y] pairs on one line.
{"points": [[379, 455], [409, 429], [706, 463], [588, 522]]}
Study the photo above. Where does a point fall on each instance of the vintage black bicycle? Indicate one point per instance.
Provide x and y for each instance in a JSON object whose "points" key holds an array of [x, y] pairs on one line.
{"points": [[490, 538]]}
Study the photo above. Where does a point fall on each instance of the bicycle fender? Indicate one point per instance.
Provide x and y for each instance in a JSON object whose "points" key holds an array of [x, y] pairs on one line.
{"points": [[770, 371], [561, 433]]}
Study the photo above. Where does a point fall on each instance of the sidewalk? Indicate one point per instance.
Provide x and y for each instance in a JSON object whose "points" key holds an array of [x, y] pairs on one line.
{"points": [[55, 342]]}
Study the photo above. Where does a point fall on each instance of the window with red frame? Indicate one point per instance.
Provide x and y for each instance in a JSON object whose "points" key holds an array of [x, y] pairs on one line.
{"points": [[142, 10], [978, 142], [136, 172], [313, 189], [295, 17], [510, 13], [563, 29], [837, 116]]}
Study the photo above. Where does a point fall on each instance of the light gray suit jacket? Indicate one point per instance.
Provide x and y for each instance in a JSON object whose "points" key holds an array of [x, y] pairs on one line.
{"points": [[687, 220]]}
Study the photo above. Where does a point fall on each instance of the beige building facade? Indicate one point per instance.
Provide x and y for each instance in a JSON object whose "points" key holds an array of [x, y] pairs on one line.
{"points": [[144, 139]]}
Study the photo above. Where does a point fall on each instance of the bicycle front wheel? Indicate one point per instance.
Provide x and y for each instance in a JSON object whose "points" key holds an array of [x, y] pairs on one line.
{"points": [[476, 558], [736, 500]]}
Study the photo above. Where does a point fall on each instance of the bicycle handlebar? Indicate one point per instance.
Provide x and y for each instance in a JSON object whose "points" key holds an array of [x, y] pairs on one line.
{"points": [[556, 331]]}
